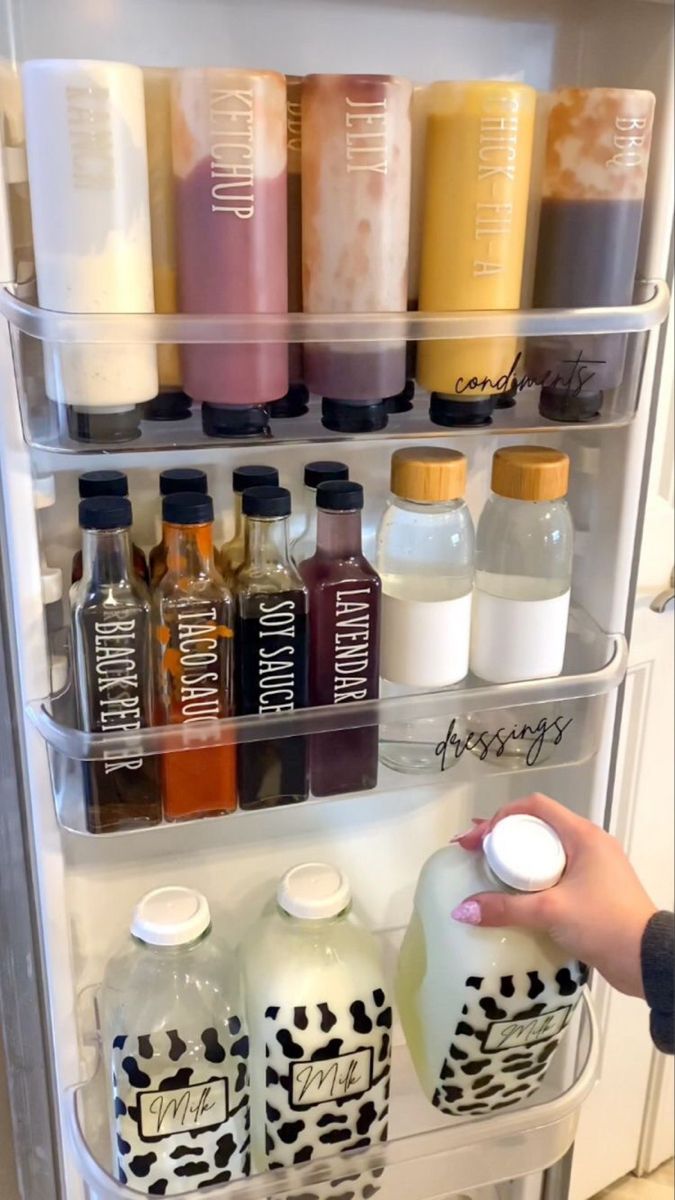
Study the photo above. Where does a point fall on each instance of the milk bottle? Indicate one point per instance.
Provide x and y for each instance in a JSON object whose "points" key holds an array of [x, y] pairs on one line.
{"points": [[320, 1024], [176, 1051], [484, 1009]]}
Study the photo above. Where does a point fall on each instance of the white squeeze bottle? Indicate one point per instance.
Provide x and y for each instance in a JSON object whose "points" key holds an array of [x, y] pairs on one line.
{"points": [[524, 547], [425, 549], [484, 1009], [88, 174], [320, 1024], [175, 1048]]}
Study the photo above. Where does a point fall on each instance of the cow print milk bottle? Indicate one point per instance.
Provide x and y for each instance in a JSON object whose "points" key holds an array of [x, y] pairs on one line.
{"points": [[320, 1024], [176, 1051], [483, 1009]]}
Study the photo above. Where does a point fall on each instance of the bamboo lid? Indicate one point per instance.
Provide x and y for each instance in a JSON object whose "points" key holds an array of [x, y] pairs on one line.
{"points": [[428, 475], [530, 473]]}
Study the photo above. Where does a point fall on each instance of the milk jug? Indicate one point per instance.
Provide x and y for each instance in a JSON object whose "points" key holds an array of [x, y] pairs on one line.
{"points": [[176, 1051], [320, 1024], [484, 1009]]}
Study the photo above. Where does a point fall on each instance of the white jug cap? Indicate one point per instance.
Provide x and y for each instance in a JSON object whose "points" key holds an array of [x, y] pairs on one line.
{"points": [[314, 892], [171, 916], [525, 853]]}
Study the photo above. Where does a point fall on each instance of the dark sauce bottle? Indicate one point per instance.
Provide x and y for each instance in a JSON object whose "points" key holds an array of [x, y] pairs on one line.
{"points": [[344, 593], [112, 651], [107, 483], [272, 651]]}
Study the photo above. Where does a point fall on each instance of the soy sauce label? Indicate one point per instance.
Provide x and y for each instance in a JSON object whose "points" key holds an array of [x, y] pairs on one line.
{"points": [[273, 659], [181, 1100], [327, 1077], [503, 1043]]}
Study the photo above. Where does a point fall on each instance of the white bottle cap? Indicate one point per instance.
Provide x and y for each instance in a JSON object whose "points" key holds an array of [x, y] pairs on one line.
{"points": [[314, 892], [171, 916], [525, 853]]}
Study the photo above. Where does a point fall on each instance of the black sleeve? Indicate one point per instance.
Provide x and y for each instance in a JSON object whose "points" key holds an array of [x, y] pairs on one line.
{"points": [[657, 977]]}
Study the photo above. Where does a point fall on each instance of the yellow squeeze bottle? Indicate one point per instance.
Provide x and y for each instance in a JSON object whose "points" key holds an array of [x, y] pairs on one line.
{"points": [[477, 174]]}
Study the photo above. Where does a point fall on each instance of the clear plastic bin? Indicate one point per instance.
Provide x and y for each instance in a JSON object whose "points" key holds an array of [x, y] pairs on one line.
{"points": [[477, 728], [49, 347], [428, 1156]]}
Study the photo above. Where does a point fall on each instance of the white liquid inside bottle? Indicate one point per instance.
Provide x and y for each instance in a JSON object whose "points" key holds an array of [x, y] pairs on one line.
{"points": [[484, 1009]]}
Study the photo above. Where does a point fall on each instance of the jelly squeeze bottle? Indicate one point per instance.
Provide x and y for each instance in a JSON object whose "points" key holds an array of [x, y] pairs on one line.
{"points": [[175, 1049], [597, 156], [107, 483], [112, 651], [320, 1024], [483, 1010], [355, 224], [177, 479], [193, 626]]}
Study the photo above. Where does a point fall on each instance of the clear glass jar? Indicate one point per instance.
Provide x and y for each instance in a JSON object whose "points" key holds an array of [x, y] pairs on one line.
{"points": [[425, 561], [524, 549], [320, 1023], [175, 1048]]}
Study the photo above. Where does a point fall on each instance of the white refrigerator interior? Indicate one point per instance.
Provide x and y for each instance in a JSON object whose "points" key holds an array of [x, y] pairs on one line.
{"points": [[84, 887]]}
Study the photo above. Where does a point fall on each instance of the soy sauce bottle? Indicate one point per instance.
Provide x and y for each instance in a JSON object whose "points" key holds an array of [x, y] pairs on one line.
{"points": [[272, 651], [113, 669]]}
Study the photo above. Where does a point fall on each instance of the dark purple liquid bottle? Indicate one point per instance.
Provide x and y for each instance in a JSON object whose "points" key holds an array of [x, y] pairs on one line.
{"points": [[344, 597]]}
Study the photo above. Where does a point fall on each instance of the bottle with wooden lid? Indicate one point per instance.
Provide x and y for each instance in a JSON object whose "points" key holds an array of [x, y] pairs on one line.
{"points": [[523, 568], [425, 561]]}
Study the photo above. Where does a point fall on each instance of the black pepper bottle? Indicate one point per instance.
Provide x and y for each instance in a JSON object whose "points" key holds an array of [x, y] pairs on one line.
{"points": [[112, 648]]}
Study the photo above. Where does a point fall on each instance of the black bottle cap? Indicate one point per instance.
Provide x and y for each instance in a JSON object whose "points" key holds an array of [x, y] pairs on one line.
{"points": [[444, 410], [294, 404], [91, 425], [254, 476], [226, 421], [168, 406], [507, 399], [187, 508], [102, 483], [323, 471], [105, 512], [342, 417], [561, 406], [339, 495], [266, 502], [402, 401], [183, 479]]}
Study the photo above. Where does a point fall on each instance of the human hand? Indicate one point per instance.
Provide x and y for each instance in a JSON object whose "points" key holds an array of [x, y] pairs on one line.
{"points": [[597, 912]]}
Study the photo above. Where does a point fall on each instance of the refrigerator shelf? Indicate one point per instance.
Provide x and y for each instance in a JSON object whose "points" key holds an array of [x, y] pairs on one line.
{"points": [[474, 729], [50, 355], [428, 1157]]}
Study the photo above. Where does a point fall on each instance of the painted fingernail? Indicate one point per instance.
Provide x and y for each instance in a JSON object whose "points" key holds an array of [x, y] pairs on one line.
{"points": [[458, 836], [467, 913]]}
